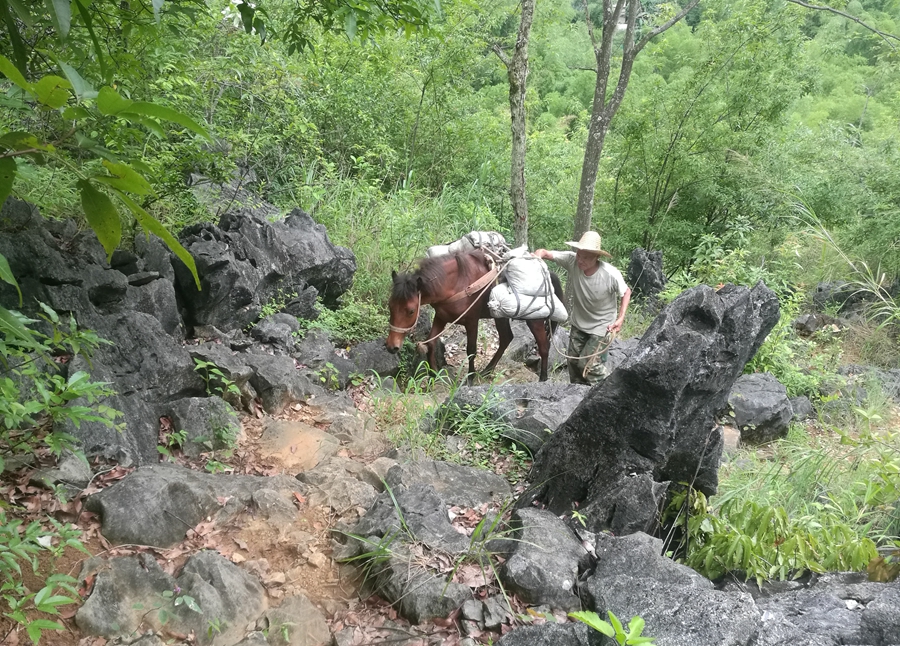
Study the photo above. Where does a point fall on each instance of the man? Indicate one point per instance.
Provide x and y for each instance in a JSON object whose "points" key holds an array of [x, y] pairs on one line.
{"points": [[596, 312]]}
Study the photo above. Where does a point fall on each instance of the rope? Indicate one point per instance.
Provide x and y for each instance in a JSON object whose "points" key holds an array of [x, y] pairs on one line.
{"points": [[590, 358], [439, 335]]}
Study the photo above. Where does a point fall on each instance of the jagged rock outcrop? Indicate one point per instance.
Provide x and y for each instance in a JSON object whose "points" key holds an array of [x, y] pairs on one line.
{"points": [[645, 273], [128, 592], [156, 505], [654, 414], [762, 410], [246, 260]]}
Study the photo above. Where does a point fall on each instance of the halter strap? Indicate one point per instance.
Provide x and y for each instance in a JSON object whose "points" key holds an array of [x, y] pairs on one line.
{"points": [[407, 330]]}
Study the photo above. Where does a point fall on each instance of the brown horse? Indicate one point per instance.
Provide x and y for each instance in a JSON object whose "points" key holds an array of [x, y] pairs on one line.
{"points": [[450, 285]]}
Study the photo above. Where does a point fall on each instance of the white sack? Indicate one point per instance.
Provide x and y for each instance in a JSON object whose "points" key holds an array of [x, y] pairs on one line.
{"points": [[503, 303], [529, 276], [470, 242]]}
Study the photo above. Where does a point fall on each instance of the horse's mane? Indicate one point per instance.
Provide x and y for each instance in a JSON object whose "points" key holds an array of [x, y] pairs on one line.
{"points": [[431, 271]]}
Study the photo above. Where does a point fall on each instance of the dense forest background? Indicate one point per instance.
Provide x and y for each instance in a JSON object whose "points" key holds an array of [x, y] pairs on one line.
{"points": [[757, 140], [743, 125]]}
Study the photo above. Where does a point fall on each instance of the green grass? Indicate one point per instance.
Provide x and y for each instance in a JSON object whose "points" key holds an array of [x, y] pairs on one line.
{"points": [[483, 439]]}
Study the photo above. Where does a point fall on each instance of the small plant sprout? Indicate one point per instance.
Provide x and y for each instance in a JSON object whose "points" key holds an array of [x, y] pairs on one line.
{"points": [[581, 518], [614, 629], [216, 381]]}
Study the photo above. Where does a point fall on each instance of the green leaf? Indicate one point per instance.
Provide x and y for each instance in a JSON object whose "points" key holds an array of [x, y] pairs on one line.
{"points": [[247, 13], [88, 22], [94, 147], [350, 25], [636, 626], [13, 74], [168, 114], [124, 178], [61, 13], [6, 274], [152, 225], [83, 89], [102, 216], [593, 620], [150, 124], [7, 177], [74, 112], [22, 141], [52, 91], [111, 102], [616, 624], [23, 12], [18, 45]]}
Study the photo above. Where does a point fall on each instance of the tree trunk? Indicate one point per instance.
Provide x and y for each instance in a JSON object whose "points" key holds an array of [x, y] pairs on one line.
{"points": [[603, 111], [517, 72]]}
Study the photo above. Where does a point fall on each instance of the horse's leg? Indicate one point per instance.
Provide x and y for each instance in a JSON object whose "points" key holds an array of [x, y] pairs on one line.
{"points": [[471, 325], [539, 330], [437, 327], [505, 337]]}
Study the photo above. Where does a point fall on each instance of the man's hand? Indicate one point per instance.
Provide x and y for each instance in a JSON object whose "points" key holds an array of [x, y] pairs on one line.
{"points": [[543, 254], [616, 326]]}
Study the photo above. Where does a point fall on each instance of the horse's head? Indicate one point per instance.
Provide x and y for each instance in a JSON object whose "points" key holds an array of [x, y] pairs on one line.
{"points": [[404, 305]]}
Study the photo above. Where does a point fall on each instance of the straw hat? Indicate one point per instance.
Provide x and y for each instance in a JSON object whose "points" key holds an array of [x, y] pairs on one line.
{"points": [[590, 241]]}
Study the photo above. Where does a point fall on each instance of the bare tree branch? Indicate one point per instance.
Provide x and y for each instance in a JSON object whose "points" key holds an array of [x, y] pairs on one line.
{"points": [[590, 24], [501, 54], [885, 36], [656, 31]]}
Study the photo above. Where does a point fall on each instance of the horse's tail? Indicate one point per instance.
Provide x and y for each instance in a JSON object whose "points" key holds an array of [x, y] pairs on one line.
{"points": [[558, 290]]}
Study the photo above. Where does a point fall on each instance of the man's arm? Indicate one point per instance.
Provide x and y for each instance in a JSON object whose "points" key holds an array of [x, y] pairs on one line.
{"points": [[543, 254], [616, 327]]}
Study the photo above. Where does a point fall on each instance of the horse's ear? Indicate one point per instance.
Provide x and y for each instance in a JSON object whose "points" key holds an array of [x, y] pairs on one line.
{"points": [[393, 274], [420, 283]]}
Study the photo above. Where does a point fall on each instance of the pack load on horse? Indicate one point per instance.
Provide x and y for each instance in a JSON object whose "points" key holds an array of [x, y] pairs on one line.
{"points": [[527, 292], [458, 287], [491, 240]]}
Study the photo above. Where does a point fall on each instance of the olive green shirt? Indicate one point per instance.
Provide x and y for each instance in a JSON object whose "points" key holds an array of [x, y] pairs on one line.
{"points": [[596, 303]]}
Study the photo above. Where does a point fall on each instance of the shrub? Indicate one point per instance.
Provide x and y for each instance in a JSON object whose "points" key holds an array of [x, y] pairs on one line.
{"points": [[36, 398], [356, 321]]}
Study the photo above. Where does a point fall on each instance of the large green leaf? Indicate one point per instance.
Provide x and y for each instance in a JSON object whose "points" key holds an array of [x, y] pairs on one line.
{"points": [[167, 114], [11, 72], [23, 12], [19, 140], [102, 215], [152, 225], [61, 13], [593, 620], [124, 178], [13, 328], [18, 45], [111, 102], [88, 22], [7, 177], [83, 89], [150, 124], [52, 91], [6, 276], [89, 144]]}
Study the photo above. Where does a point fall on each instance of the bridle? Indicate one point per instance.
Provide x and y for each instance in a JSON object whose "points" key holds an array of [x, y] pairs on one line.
{"points": [[407, 330]]}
